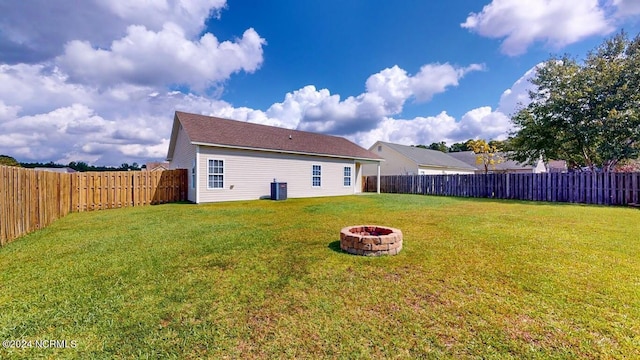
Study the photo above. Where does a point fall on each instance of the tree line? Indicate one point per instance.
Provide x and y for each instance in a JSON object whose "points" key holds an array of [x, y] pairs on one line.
{"points": [[81, 166], [586, 113], [462, 146]]}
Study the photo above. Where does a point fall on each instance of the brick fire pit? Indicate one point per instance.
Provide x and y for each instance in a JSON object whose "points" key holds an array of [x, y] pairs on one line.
{"points": [[371, 240]]}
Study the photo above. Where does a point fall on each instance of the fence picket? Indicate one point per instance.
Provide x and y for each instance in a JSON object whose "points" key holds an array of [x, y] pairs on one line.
{"points": [[588, 188], [31, 199]]}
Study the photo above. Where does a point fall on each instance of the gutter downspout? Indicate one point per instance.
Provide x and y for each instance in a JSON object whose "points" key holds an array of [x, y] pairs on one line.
{"points": [[378, 182], [197, 189]]}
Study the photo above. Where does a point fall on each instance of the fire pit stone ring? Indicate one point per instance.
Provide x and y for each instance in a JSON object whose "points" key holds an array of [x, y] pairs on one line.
{"points": [[371, 240]]}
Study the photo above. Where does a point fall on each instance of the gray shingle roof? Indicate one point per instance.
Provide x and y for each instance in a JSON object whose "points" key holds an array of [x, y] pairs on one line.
{"points": [[469, 157], [428, 157], [216, 131]]}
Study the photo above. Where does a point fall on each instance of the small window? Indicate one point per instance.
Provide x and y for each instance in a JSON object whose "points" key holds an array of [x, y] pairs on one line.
{"points": [[316, 176], [379, 148], [347, 176], [216, 174]]}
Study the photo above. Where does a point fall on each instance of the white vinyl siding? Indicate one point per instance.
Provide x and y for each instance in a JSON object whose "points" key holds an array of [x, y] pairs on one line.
{"points": [[183, 158], [248, 174], [346, 181], [394, 164], [316, 176], [215, 174], [397, 164]]}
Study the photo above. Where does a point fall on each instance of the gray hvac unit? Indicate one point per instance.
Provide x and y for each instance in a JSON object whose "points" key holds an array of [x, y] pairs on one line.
{"points": [[278, 190]]}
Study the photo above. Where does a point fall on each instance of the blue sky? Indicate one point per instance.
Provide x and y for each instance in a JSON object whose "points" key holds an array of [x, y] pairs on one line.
{"points": [[338, 46], [103, 87]]}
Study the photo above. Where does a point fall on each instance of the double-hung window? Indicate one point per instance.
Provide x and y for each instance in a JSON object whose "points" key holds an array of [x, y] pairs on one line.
{"points": [[215, 172], [316, 176], [347, 176]]}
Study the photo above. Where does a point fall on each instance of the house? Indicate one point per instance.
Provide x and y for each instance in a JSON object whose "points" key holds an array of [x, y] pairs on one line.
{"points": [[507, 166], [557, 166], [156, 166], [64, 170], [410, 160], [235, 160]]}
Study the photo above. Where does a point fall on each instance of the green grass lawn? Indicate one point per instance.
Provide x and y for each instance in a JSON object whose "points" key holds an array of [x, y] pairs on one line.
{"points": [[264, 279]]}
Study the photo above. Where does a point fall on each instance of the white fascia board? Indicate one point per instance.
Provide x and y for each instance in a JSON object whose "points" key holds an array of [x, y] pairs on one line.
{"points": [[285, 151]]}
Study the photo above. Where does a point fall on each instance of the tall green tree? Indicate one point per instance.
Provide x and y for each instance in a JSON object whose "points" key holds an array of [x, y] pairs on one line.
{"points": [[7, 160], [439, 146], [458, 147], [79, 166], [587, 113]]}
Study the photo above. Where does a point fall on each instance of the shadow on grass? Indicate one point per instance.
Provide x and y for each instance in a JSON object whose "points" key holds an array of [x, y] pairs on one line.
{"points": [[335, 246], [185, 202]]}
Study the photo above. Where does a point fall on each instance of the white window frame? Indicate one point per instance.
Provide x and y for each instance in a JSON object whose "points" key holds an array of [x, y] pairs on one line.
{"points": [[346, 176], [314, 176], [214, 174]]}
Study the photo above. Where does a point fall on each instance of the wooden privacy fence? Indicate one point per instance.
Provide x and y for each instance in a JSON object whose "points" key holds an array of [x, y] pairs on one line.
{"points": [[31, 200], [587, 188], [116, 189]]}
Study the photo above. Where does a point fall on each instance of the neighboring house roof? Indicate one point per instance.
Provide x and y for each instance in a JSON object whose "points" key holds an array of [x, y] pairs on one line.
{"points": [[428, 157], [156, 165], [66, 170], [557, 166], [470, 157], [214, 131]]}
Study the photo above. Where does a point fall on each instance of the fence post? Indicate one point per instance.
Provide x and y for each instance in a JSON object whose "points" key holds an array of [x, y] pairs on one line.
{"points": [[31, 199], [589, 188]]}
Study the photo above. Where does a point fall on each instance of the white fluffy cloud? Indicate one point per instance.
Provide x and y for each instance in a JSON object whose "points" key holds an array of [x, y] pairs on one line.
{"points": [[627, 7], [483, 122], [50, 118], [387, 91], [97, 89], [42, 134], [190, 15], [44, 117], [554, 22], [516, 97], [94, 21], [420, 130], [145, 57], [7, 112], [480, 123], [395, 86], [436, 78]]}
